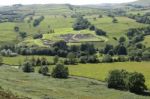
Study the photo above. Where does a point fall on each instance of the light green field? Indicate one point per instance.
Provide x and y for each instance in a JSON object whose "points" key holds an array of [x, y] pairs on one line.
{"points": [[6, 32], [37, 86], [100, 71], [20, 59], [116, 29], [63, 25]]}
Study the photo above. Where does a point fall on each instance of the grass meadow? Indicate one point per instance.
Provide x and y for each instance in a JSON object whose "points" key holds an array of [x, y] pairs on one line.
{"points": [[100, 71]]}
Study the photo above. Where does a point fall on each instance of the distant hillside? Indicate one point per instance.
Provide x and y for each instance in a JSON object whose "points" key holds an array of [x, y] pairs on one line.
{"points": [[142, 2]]}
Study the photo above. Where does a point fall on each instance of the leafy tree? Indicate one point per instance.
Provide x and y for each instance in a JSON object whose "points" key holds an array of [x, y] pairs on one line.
{"points": [[60, 45], [60, 71], [88, 48], [83, 59], [16, 29], [100, 32], [56, 59], [107, 48], [71, 58], [92, 27], [81, 23], [100, 16], [38, 21], [122, 50], [23, 34], [117, 79], [122, 39], [43, 70], [146, 55], [136, 83], [92, 59], [27, 67], [74, 48], [115, 20]]}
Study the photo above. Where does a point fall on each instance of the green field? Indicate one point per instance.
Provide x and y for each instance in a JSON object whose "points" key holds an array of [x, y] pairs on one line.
{"points": [[86, 81], [57, 23], [37, 86], [100, 71], [20, 59]]}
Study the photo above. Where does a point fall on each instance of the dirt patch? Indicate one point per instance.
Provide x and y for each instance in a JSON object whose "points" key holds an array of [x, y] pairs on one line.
{"points": [[84, 36], [48, 42], [75, 37]]}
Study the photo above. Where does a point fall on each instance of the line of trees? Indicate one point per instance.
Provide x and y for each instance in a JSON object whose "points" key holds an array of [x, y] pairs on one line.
{"points": [[81, 23], [140, 18], [38, 21]]}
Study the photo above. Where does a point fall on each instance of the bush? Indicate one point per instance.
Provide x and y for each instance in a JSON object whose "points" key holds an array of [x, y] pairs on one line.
{"points": [[116, 79], [100, 32], [122, 58], [81, 23], [137, 83], [92, 27], [122, 39], [83, 59], [115, 20], [37, 36], [107, 59], [43, 70], [146, 55], [27, 67], [92, 59], [123, 80], [60, 71], [71, 58]]}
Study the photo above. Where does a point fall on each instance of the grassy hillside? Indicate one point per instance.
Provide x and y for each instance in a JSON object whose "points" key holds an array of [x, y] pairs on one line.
{"points": [[100, 71], [142, 2], [38, 86]]}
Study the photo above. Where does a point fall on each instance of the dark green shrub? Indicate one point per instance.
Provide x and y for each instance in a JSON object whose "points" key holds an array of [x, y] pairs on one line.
{"points": [[43, 70], [117, 79], [136, 83], [27, 67], [60, 71]]}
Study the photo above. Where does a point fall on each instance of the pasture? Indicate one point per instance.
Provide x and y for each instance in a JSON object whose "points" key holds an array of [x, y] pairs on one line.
{"points": [[100, 71], [38, 86]]}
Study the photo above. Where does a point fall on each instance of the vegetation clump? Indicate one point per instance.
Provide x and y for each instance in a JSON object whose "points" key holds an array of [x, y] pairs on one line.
{"points": [[60, 71], [27, 67], [123, 80]]}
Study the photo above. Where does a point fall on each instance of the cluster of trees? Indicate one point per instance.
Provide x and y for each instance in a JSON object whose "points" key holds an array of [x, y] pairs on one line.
{"points": [[117, 50], [136, 35], [141, 18], [38, 21], [39, 61], [59, 71], [20, 33], [59, 48], [138, 51], [8, 52], [82, 23], [23, 34], [123, 80]]}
